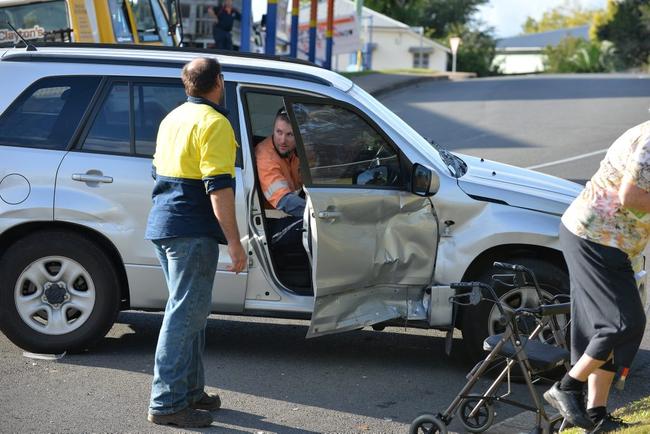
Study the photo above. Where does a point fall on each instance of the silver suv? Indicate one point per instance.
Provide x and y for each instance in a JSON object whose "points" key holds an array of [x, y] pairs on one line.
{"points": [[391, 218]]}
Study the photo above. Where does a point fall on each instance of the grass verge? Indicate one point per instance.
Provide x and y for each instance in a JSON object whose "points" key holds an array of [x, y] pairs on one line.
{"points": [[636, 413]]}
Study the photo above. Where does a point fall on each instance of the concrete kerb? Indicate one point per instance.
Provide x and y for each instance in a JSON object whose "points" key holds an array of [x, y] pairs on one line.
{"points": [[378, 84]]}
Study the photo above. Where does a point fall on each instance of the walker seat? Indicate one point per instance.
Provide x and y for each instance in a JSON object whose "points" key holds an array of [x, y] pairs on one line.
{"points": [[542, 357]]}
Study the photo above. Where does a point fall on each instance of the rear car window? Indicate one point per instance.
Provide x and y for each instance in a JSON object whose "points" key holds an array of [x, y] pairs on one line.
{"points": [[128, 119], [43, 115]]}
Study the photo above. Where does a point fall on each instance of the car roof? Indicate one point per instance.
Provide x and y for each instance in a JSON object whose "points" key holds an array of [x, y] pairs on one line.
{"points": [[176, 57]]}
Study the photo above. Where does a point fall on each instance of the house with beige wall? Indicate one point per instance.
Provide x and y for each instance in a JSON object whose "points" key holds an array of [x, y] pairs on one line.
{"points": [[388, 43]]}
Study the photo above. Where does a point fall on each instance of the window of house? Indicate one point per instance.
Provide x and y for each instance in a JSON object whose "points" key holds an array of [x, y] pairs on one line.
{"points": [[46, 114], [343, 149], [420, 60]]}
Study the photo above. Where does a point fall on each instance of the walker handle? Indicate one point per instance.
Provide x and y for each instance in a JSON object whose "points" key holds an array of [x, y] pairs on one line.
{"points": [[555, 309]]}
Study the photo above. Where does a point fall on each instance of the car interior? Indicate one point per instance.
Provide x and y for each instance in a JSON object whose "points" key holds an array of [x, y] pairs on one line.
{"points": [[290, 261]]}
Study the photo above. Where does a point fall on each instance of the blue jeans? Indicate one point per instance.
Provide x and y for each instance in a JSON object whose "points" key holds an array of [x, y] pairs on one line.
{"points": [[189, 265]]}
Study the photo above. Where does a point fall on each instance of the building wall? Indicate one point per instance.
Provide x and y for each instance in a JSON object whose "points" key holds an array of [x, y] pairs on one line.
{"points": [[391, 51], [519, 63]]}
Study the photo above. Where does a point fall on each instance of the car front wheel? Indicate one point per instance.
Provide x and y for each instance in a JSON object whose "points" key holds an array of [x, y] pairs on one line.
{"points": [[58, 292], [483, 320]]}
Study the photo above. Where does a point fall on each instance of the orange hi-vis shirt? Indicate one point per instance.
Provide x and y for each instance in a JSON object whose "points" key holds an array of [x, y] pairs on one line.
{"points": [[278, 176]]}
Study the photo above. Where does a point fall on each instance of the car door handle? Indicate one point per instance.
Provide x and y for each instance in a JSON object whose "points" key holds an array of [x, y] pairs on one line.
{"points": [[329, 214], [85, 177]]}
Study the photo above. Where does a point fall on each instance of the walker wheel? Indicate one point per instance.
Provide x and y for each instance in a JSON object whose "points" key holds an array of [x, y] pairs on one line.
{"points": [[482, 419], [427, 423]]}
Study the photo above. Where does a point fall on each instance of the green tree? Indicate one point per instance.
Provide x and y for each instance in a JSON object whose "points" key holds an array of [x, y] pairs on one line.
{"points": [[626, 23], [406, 11], [561, 17], [436, 16], [477, 49], [578, 55]]}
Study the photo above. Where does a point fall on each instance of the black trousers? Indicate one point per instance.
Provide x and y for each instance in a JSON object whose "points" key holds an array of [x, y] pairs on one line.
{"points": [[607, 316], [222, 38]]}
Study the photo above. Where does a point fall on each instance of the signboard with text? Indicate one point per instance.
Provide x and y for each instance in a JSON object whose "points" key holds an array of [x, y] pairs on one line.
{"points": [[345, 36], [8, 35]]}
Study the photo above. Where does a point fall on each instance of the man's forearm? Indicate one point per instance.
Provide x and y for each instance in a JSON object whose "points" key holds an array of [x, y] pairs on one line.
{"points": [[223, 205], [292, 204]]}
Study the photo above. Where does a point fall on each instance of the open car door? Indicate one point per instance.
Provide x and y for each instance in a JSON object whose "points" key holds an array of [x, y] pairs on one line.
{"points": [[372, 243]]}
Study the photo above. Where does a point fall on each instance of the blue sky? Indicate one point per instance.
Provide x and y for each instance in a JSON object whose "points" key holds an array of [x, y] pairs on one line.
{"points": [[506, 16]]}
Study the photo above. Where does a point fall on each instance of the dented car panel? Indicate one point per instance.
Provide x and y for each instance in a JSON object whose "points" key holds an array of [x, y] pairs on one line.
{"points": [[369, 249]]}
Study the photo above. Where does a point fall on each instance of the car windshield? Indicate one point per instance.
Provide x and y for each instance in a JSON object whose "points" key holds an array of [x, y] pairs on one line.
{"points": [[454, 164], [35, 21]]}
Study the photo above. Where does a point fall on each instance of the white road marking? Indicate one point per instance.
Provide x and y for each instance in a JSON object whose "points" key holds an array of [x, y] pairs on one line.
{"points": [[566, 160]]}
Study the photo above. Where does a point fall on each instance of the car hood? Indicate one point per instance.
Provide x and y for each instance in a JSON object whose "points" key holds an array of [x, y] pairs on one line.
{"points": [[514, 186]]}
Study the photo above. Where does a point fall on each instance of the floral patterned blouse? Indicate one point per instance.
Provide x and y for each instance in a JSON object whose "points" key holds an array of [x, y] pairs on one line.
{"points": [[597, 214]]}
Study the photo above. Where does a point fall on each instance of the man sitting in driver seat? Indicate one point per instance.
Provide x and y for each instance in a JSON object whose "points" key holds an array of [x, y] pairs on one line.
{"points": [[278, 169]]}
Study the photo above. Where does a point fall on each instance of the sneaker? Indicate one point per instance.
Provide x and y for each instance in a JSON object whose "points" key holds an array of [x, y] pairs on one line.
{"points": [[571, 406], [186, 418], [207, 402], [608, 424]]}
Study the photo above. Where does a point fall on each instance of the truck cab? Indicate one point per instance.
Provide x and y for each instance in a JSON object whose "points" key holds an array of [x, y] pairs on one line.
{"points": [[149, 22]]}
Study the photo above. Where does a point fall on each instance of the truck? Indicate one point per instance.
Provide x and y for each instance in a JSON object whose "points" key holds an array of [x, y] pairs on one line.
{"points": [[149, 22]]}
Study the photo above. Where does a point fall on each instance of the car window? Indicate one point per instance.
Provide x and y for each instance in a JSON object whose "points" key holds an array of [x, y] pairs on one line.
{"points": [[111, 130], [121, 25], [262, 109], [145, 21], [343, 149], [45, 115], [151, 104], [36, 21]]}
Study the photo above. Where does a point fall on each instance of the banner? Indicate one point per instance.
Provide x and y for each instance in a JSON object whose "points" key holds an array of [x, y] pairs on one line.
{"points": [[345, 36]]}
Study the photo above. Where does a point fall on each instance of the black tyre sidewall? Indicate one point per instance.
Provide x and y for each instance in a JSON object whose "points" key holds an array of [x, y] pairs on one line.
{"points": [[551, 278], [427, 418], [66, 244]]}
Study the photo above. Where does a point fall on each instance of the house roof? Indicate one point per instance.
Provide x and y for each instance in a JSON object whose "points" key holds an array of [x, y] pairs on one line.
{"points": [[542, 39]]}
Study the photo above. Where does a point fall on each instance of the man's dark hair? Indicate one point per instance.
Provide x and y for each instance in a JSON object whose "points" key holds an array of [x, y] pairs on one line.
{"points": [[200, 76], [282, 114]]}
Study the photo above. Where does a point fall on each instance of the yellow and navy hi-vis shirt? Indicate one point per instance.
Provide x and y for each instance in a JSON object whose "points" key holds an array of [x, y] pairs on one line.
{"points": [[195, 155]]}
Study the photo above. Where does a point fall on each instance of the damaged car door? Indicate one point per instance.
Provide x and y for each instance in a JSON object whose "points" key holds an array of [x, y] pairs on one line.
{"points": [[372, 242]]}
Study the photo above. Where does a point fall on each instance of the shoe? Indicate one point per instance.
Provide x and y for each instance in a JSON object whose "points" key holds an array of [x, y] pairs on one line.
{"points": [[571, 406], [207, 402], [186, 418], [608, 424]]}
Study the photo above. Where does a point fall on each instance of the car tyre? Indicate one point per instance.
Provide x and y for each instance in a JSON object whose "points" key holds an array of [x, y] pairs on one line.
{"points": [[59, 292]]}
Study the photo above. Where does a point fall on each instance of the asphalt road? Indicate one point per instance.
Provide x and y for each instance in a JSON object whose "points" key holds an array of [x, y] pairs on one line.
{"points": [[530, 120], [273, 380]]}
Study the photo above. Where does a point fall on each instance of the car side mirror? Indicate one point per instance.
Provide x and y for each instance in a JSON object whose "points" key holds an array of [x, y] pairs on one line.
{"points": [[424, 181]]}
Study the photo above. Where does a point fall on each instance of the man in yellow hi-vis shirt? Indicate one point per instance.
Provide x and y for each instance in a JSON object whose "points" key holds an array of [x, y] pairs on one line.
{"points": [[193, 212]]}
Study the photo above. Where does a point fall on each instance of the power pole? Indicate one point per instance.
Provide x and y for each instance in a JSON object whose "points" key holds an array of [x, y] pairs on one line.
{"points": [[329, 35], [295, 11], [246, 11], [313, 23], [271, 20]]}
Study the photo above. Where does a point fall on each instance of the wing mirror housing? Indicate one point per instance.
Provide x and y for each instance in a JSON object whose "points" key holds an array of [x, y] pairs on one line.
{"points": [[424, 181]]}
